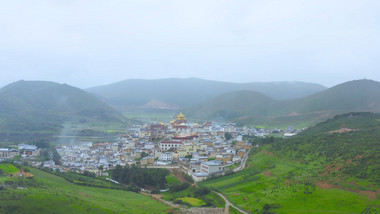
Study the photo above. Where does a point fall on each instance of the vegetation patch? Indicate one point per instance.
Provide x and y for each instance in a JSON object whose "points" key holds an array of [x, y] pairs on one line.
{"points": [[291, 188], [171, 179], [55, 194], [141, 177], [195, 202], [8, 168], [211, 199]]}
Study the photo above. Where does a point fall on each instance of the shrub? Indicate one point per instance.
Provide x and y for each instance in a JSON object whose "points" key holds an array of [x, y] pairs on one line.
{"points": [[201, 191], [179, 187]]}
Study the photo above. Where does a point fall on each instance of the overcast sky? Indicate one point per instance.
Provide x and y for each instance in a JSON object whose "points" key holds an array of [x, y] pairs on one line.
{"points": [[90, 43]]}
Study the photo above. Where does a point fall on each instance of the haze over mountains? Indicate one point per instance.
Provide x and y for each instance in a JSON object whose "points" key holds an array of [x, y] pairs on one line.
{"points": [[41, 105], [177, 93], [250, 107]]}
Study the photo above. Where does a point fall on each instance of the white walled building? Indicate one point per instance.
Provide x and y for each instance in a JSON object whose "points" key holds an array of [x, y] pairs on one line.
{"points": [[166, 156], [212, 167], [167, 145]]}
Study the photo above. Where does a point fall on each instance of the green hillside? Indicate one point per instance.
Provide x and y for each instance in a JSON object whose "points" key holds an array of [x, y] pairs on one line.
{"points": [[180, 93], [251, 108], [357, 95], [234, 105], [318, 171], [47, 193], [39, 106]]}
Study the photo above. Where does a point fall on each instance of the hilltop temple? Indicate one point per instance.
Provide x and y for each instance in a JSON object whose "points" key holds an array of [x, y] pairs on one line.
{"points": [[180, 120]]}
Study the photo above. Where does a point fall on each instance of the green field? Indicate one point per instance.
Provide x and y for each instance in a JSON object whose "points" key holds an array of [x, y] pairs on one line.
{"points": [[53, 194], [8, 168], [195, 202], [188, 195], [285, 186]]}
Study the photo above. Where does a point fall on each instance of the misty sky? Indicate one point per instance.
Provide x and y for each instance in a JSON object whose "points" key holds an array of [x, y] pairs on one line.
{"points": [[90, 43]]}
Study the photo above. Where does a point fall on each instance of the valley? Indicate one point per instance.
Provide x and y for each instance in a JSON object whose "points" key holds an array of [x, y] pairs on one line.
{"points": [[260, 162]]}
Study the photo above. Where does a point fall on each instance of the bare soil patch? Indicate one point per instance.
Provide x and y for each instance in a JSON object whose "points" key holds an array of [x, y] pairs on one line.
{"points": [[268, 174], [370, 194], [179, 175], [269, 153]]}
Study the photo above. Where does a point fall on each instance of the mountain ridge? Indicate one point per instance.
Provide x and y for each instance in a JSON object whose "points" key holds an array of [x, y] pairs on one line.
{"points": [[185, 93], [356, 95], [43, 105]]}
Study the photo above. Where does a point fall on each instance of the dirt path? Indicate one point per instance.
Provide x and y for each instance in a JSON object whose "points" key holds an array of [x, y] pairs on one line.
{"points": [[178, 174], [228, 204]]}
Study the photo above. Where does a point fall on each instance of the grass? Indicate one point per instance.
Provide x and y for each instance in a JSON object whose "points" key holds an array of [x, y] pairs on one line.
{"points": [[195, 202], [287, 185], [171, 179], [57, 195], [212, 198], [232, 210], [233, 166], [8, 168], [78, 178]]}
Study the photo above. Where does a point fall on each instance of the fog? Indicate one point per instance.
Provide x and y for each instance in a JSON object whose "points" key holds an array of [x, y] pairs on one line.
{"points": [[90, 43]]}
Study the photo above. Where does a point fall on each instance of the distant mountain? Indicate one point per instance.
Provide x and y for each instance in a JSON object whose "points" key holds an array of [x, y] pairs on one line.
{"points": [[234, 105], [183, 93], [29, 106], [248, 107], [357, 95]]}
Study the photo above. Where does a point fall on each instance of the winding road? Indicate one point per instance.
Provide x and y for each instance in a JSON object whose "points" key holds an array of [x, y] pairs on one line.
{"points": [[237, 169], [243, 162]]}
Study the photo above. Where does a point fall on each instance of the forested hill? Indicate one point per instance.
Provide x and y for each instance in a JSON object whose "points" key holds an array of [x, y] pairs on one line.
{"points": [[347, 146], [29, 106], [182, 93]]}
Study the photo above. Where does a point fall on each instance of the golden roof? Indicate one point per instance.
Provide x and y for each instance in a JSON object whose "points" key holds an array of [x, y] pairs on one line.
{"points": [[180, 116]]}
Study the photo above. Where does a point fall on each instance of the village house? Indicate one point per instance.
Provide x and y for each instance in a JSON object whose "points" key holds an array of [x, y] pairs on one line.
{"points": [[166, 156], [167, 145], [212, 167]]}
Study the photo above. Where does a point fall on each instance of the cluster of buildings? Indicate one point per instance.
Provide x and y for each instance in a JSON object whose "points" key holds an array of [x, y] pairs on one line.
{"points": [[200, 149], [25, 150]]}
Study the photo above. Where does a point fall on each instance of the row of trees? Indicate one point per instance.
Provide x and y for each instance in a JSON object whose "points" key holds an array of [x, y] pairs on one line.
{"points": [[142, 177]]}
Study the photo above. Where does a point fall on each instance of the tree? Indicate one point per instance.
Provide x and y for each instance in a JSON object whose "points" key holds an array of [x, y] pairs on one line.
{"points": [[143, 154], [227, 136], [201, 191]]}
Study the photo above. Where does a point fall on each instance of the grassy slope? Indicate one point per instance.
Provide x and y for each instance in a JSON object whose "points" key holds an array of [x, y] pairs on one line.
{"points": [[8, 168], [59, 196], [273, 180]]}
